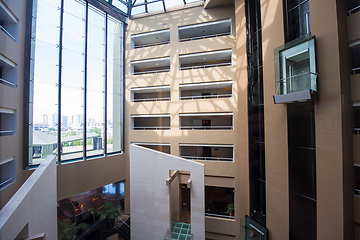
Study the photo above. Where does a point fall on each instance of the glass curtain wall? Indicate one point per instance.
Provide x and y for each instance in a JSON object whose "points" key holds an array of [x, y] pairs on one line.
{"points": [[256, 112], [297, 19], [76, 82]]}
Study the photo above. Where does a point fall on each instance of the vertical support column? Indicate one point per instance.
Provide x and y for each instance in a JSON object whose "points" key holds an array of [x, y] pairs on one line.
{"points": [[85, 78], [334, 121], [59, 148], [276, 136]]}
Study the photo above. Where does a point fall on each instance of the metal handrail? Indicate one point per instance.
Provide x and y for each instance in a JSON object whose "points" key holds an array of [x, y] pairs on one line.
{"points": [[354, 70], [220, 216], [3, 81], [207, 158], [204, 36], [6, 181], [206, 66], [7, 131], [124, 222], [284, 79], [206, 96], [151, 128], [357, 131], [151, 44], [152, 71], [351, 10], [7, 33], [151, 99], [205, 127], [357, 192]]}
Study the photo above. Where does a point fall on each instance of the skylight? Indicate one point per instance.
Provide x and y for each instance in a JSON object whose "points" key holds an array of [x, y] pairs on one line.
{"points": [[146, 6]]}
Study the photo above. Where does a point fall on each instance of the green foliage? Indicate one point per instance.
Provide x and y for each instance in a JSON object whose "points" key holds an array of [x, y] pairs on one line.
{"points": [[230, 207], [95, 130], [107, 211], [89, 142], [68, 231], [110, 140]]}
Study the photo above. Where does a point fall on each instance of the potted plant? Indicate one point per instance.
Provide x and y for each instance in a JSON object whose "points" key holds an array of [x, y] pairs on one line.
{"points": [[230, 209], [108, 213], [68, 231]]}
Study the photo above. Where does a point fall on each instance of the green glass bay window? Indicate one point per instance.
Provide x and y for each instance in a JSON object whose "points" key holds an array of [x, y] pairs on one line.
{"points": [[295, 71]]}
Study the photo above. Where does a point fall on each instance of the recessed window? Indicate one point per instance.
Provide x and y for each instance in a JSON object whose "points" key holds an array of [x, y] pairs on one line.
{"points": [[205, 30], [355, 57], [205, 59], [8, 22], [150, 122], [150, 66], [7, 172], [149, 39], [219, 202], [208, 90], [150, 94]]}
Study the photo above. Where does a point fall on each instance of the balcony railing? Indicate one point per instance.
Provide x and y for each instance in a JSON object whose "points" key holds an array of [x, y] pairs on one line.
{"points": [[151, 44], [355, 70], [6, 182], [3, 81], [7, 133], [219, 216], [357, 131], [152, 99], [152, 71], [206, 127], [206, 96], [204, 36], [151, 128], [291, 84], [354, 10], [7, 33], [206, 66], [208, 158]]}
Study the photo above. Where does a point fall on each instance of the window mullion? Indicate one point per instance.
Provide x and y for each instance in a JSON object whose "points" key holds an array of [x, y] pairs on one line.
{"points": [[105, 87], [59, 149], [85, 78]]}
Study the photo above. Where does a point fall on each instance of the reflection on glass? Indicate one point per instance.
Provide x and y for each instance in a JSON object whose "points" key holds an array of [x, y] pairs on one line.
{"points": [[114, 86], [219, 202], [43, 88], [95, 83], [72, 88]]}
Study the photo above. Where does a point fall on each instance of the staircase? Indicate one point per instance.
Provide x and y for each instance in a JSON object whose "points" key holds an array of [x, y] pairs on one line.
{"points": [[124, 230]]}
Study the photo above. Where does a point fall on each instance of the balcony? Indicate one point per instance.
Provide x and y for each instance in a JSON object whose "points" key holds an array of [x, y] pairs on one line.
{"points": [[161, 147], [205, 60], [7, 122], [149, 39], [207, 152], [8, 72], [150, 122], [205, 30], [150, 94], [205, 90], [295, 71], [8, 22], [206, 121], [8, 172], [149, 66]]}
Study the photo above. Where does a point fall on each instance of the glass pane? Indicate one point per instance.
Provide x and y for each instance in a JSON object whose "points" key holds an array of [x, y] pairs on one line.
{"points": [[95, 83], [219, 201], [43, 90], [72, 88], [114, 86]]}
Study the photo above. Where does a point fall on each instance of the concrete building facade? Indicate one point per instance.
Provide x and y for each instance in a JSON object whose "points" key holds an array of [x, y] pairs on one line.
{"points": [[264, 94]]}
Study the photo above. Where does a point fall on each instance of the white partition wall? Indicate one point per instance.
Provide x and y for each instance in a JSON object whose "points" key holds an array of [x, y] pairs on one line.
{"points": [[32, 210], [150, 198]]}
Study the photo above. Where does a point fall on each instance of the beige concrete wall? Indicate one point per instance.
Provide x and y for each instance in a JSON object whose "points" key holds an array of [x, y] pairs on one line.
{"points": [[333, 121], [82, 176], [242, 200], [12, 98], [276, 143], [150, 197], [33, 206], [172, 20]]}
